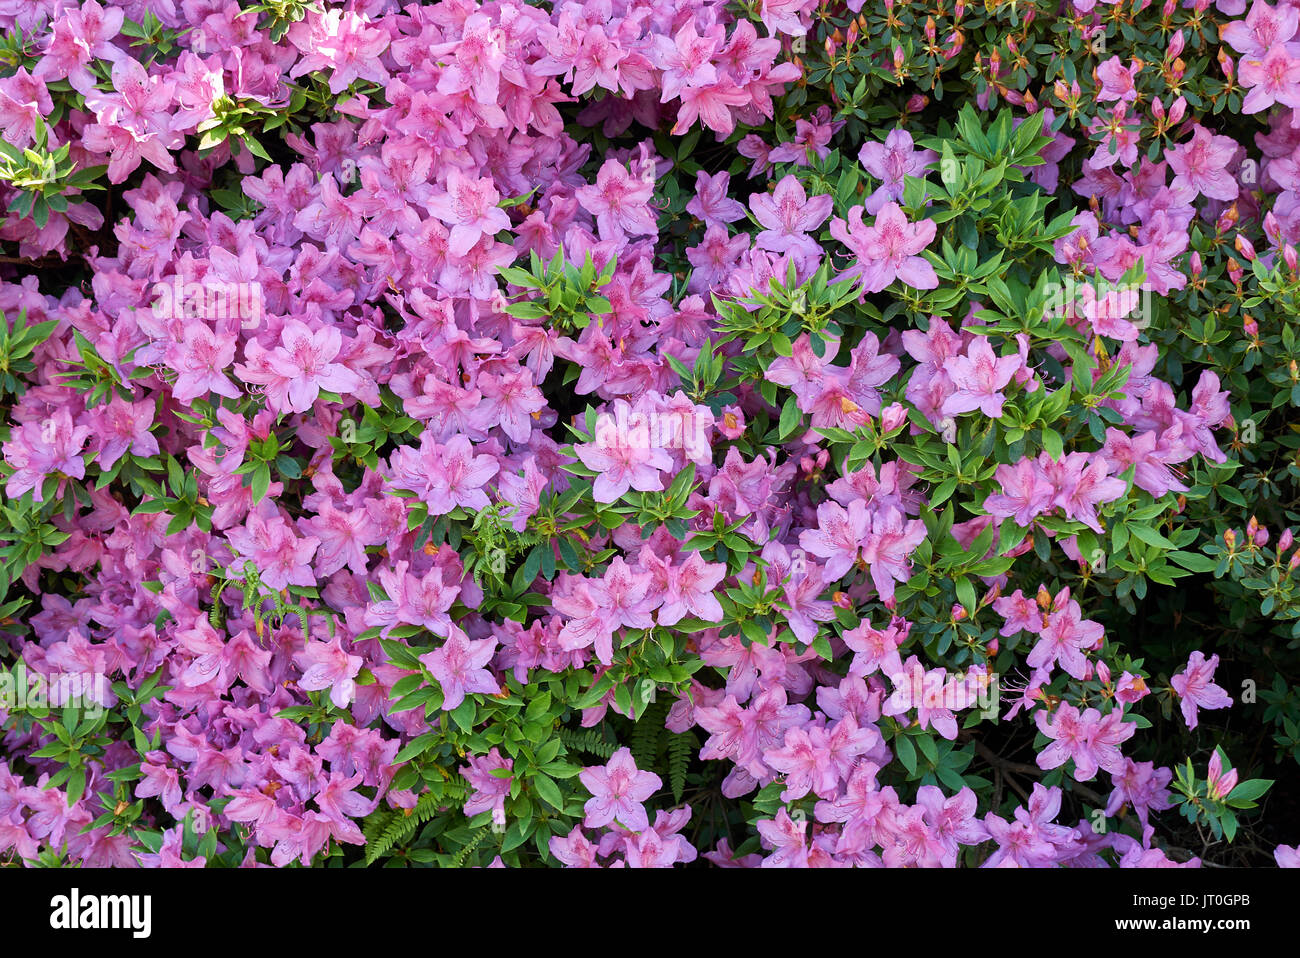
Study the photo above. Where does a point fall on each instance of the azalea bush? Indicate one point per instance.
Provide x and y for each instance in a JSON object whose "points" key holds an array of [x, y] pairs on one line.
{"points": [[613, 434]]}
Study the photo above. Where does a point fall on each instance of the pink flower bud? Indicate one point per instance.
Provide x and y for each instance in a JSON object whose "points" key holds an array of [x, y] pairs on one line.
{"points": [[1218, 784], [1245, 248], [892, 417], [1226, 62], [1289, 257], [1284, 541], [1103, 673], [1250, 327], [1176, 44], [1197, 266], [1272, 228]]}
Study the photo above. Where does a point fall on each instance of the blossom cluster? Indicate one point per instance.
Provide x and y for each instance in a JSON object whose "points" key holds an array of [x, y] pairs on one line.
{"points": [[444, 383]]}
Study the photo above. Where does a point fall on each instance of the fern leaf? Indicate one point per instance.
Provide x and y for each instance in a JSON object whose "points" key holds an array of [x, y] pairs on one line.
{"points": [[587, 741], [680, 751]]}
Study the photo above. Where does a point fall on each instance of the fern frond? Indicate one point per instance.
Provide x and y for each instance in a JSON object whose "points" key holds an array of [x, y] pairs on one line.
{"points": [[464, 853], [401, 823], [681, 749], [646, 734], [587, 741]]}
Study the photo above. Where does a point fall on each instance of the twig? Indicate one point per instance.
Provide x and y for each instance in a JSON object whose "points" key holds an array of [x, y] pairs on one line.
{"points": [[999, 762]]}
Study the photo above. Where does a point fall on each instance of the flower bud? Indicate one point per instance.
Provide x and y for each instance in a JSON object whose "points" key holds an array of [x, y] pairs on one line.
{"points": [[1285, 539], [1272, 228], [958, 612], [1176, 45], [892, 417], [1230, 539], [1245, 248], [1250, 327], [1289, 257], [1226, 62]]}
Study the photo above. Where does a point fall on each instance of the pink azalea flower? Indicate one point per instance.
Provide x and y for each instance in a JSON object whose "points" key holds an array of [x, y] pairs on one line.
{"points": [[1196, 689], [618, 790], [470, 208], [326, 665], [459, 665], [887, 250]]}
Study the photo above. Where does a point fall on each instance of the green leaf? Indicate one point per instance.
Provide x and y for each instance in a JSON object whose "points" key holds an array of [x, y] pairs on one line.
{"points": [[549, 792], [906, 753]]}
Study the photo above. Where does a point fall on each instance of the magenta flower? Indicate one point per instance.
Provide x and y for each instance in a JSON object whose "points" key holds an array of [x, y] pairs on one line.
{"points": [[1025, 493], [326, 665], [887, 250], [623, 465], [1196, 689], [979, 376], [282, 558], [38, 450], [1063, 640], [1218, 783], [444, 476], [201, 358], [340, 45], [890, 163], [1265, 28], [787, 216], [690, 591], [620, 202], [460, 666], [305, 359], [1089, 738], [892, 539], [470, 208], [1201, 165], [838, 536], [618, 790]]}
